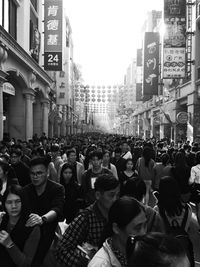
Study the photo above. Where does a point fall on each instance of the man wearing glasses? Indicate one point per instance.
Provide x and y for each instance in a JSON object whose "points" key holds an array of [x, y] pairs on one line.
{"points": [[45, 201]]}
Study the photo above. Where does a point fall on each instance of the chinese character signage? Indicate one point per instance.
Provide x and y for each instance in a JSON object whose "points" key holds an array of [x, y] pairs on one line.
{"points": [[174, 39], [151, 63], [53, 34]]}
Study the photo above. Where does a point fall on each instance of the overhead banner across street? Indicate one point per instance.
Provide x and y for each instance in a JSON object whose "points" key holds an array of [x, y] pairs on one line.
{"points": [[174, 60]]}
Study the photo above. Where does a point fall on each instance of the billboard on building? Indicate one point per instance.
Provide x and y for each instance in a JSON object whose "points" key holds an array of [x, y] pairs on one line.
{"points": [[174, 59], [53, 16], [151, 63], [139, 58]]}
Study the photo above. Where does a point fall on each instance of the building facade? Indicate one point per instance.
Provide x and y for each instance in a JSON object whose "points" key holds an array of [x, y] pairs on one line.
{"points": [[24, 85]]}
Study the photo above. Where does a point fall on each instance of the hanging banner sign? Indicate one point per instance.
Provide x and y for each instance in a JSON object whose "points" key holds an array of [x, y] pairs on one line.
{"points": [[151, 63], [174, 60], [53, 14]]}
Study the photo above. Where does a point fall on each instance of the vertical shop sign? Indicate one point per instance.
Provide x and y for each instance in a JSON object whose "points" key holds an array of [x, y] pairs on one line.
{"points": [[151, 63], [53, 34], [174, 39]]}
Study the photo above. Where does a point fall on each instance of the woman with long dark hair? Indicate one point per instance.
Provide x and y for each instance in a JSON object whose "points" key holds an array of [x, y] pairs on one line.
{"points": [[18, 243], [74, 199]]}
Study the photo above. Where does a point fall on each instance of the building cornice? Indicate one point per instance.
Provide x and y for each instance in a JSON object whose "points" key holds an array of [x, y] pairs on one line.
{"points": [[22, 56]]}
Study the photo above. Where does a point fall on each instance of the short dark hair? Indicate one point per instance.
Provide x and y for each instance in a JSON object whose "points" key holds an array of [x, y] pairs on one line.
{"points": [[97, 154], [40, 161], [106, 182], [124, 210], [134, 187], [55, 148]]}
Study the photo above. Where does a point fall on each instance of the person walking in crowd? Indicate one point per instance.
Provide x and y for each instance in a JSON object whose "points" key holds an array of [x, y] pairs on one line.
{"points": [[90, 176], [56, 158], [78, 168], [21, 170], [161, 169], [156, 250], [144, 167], [74, 198], [126, 217], [45, 201], [107, 164], [128, 172], [175, 213], [18, 243], [181, 173], [118, 161], [82, 237]]}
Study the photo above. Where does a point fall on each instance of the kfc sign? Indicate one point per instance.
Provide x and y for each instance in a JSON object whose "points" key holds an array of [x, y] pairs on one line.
{"points": [[53, 13]]}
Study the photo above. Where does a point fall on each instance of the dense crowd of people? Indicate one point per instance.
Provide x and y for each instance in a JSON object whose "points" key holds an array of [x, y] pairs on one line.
{"points": [[97, 200]]}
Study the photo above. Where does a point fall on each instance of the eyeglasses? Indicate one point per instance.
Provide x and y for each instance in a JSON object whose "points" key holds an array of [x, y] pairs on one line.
{"points": [[39, 173]]}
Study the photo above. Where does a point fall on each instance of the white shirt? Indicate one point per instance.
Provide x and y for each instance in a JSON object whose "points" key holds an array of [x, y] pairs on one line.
{"points": [[195, 174]]}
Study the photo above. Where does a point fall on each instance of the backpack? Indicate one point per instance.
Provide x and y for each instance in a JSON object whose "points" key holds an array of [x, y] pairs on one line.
{"points": [[178, 231]]}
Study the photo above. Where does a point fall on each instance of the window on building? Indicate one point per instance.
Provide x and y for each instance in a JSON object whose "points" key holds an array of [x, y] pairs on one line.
{"points": [[62, 95], [8, 16]]}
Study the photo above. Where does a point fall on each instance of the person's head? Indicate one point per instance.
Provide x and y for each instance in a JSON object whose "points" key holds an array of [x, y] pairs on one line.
{"points": [[165, 159], [107, 190], [125, 147], [127, 217], [169, 197], [96, 159], [71, 155], [156, 249], [134, 187], [12, 201], [129, 164], [118, 153], [15, 156], [197, 157], [38, 171], [148, 154], [66, 174], [55, 149], [106, 156]]}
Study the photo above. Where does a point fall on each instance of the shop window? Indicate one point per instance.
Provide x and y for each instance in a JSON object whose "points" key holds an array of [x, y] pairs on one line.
{"points": [[8, 16]]}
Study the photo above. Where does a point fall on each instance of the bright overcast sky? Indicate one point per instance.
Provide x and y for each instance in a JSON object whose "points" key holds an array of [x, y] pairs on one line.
{"points": [[106, 34]]}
